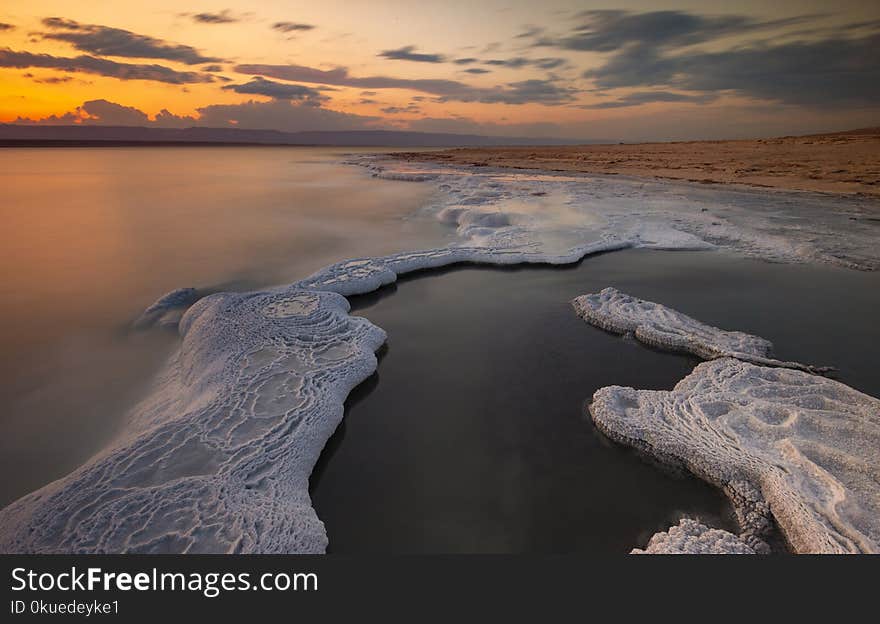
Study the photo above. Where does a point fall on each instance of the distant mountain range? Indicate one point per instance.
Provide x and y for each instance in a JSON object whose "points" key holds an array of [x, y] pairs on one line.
{"points": [[11, 135]]}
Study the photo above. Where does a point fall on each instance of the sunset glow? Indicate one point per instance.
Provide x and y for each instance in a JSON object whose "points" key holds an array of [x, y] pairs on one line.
{"points": [[581, 70]]}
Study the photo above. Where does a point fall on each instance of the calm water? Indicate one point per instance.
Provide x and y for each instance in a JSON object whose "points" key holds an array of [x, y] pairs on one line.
{"points": [[91, 237], [472, 437]]}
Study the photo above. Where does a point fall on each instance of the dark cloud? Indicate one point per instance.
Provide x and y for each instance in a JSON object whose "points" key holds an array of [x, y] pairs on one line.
{"points": [[478, 70], [466, 61], [647, 97], [530, 32], [281, 115], [274, 115], [543, 91], [223, 17], [825, 73], [529, 91], [107, 41], [112, 114], [102, 67], [54, 79], [279, 91], [611, 30], [517, 62], [288, 27], [212, 68], [94, 112], [5, 27], [408, 53], [837, 65], [549, 63], [409, 109]]}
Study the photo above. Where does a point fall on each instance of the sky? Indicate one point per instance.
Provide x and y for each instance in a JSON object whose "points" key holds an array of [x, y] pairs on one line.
{"points": [[555, 68]]}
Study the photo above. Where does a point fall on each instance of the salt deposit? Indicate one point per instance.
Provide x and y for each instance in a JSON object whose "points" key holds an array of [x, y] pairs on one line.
{"points": [[218, 457], [785, 446], [664, 328]]}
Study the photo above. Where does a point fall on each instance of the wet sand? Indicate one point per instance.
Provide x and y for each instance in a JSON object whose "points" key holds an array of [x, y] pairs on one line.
{"points": [[846, 162], [472, 437]]}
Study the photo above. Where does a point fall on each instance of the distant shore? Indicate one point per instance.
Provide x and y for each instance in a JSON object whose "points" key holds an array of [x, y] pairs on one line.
{"points": [[845, 162]]}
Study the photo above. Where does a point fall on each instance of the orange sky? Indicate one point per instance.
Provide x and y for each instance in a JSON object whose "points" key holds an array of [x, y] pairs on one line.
{"points": [[555, 68]]}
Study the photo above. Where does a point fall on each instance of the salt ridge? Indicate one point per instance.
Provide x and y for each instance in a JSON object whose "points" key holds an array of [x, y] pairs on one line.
{"points": [[664, 328]]}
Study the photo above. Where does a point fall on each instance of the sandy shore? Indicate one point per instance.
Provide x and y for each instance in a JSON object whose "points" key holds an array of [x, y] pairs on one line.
{"points": [[846, 162]]}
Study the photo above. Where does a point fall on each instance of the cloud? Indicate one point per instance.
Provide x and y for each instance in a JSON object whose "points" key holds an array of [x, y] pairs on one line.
{"points": [[518, 61], [106, 41], [94, 112], [281, 115], [515, 62], [647, 97], [223, 17], [101, 67], [288, 27], [112, 114], [611, 30], [6, 27], [408, 53], [54, 79], [529, 91], [523, 92], [408, 109], [817, 67], [826, 73], [466, 61], [477, 70], [279, 91]]}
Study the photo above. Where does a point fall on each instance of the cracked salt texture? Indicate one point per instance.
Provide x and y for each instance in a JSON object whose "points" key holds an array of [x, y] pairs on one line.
{"points": [[689, 537], [784, 446]]}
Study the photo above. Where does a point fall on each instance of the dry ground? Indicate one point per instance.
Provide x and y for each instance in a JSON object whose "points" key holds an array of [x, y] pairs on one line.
{"points": [[845, 162]]}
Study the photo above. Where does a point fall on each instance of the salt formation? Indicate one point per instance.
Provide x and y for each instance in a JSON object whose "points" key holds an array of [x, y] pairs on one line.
{"points": [[783, 445], [761, 223], [218, 459], [664, 328], [689, 537], [168, 309]]}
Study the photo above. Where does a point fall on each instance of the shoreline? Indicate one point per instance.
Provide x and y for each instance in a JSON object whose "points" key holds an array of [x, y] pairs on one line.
{"points": [[285, 379], [845, 163]]}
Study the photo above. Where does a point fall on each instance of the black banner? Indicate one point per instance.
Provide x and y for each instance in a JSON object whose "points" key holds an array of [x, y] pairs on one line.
{"points": [[238, 588]]}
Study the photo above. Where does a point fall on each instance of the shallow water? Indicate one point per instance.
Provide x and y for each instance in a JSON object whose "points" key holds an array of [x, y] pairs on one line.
{"points": [[93, 236], [472, 437]]}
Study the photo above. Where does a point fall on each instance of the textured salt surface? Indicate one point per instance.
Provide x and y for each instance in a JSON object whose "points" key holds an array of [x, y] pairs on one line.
{"points": [[217, 459], [689, 537], [562, 210], [658, 326], [783, 445]]}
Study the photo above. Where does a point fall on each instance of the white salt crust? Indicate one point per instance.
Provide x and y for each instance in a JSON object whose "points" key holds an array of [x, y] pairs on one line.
{"points": [[689, 537], [664, 328], [783, 445], [217, 458]]}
